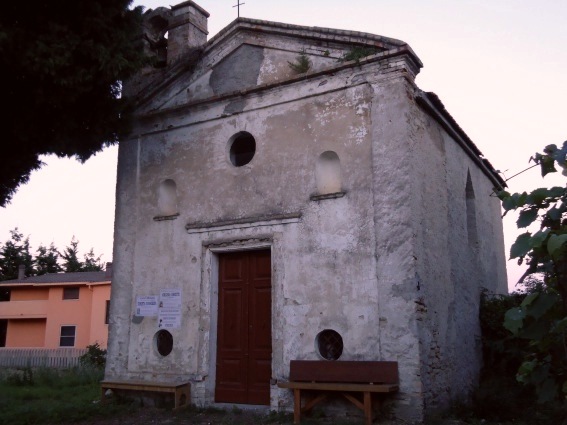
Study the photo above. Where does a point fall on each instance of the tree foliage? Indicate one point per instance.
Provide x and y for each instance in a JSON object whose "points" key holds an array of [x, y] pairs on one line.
{"points": [[500, 397], [541, 318], [16, 251], [72, 263], [61, 67]]}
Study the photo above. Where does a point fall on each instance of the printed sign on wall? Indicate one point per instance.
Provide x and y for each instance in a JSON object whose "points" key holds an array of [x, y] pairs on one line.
{"points": [[169, 316], [147, 305]]}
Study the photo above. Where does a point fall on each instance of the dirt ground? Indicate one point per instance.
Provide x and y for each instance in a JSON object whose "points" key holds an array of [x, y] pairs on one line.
{"points": [[154, 416]]}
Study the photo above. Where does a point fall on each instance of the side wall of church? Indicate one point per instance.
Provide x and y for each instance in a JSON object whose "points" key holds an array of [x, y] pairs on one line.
{"points": [[460, 251]]}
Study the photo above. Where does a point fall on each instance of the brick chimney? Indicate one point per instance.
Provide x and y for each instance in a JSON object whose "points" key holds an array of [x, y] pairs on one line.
{"points": [[108, 271], [187, 29], [21, 272]]}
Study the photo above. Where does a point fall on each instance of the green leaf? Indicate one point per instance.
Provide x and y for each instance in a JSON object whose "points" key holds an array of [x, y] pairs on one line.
{"points": [[535, 331], [559, 154], [537, 196], [525, 370], [509, 202], [502, 194], [560, 326], [513, 319], [543, 304], [538, 238], [529, 299], [526, 218], [547, 165], [522, 246], [555, 243], [554, 213], [556, 191]]}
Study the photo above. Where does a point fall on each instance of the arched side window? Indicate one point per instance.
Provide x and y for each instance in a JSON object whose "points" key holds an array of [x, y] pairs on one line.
{"points": [[167, 198], [328, 173], [472, 231]]}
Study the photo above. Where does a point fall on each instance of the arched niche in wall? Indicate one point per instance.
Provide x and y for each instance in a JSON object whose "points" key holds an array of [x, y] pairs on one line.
{"points": [[155, 28], [167, 199], [328, 173], [472, 231]]}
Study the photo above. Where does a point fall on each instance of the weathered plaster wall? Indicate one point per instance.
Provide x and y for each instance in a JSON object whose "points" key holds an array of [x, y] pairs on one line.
{"points": [[388, 265], [396, 256], [452, 265], [323, 262]]}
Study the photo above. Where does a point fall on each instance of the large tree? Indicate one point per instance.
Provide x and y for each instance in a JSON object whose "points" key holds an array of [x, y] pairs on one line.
{"points": [[61, 67]]}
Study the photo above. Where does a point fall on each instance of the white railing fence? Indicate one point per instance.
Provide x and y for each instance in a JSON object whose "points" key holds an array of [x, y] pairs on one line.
{"points": [[58, 358]]}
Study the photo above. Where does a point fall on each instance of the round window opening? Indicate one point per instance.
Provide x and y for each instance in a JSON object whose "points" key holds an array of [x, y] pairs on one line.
{"points": [[164, 342], [242, 149], [329, 344]]}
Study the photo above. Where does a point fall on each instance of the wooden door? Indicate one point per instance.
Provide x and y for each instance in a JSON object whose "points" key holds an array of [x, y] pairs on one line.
{"points": [[244, 333]]}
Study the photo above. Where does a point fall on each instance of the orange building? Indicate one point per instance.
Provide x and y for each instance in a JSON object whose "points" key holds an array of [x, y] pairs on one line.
{"points": [[56, 310]]}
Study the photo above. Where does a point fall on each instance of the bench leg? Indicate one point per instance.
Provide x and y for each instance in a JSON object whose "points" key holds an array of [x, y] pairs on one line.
{"points": [[296, 406], [182, 397], [103, 395], [368, 407]]}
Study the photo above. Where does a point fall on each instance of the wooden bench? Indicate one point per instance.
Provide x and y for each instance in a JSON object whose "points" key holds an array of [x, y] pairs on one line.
{"points": [[345, 377], [181, 391]]}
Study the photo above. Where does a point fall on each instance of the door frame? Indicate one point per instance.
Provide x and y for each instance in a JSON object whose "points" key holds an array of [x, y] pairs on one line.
{"points": [[211, 268]]}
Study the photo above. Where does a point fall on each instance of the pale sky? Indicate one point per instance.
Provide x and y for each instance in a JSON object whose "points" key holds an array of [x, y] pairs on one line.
{"points": [[499, 66]]}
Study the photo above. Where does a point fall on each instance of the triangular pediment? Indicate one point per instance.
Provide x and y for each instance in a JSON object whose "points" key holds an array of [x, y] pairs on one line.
{"points": [[251, 53]]}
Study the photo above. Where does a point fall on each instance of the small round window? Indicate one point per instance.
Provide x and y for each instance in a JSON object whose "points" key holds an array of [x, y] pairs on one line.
{"points": [[329, 344], [242, 149], [164, 342]]}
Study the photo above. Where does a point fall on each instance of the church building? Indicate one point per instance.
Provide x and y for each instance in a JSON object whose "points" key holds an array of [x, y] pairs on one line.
{"points": [[289, 193]]}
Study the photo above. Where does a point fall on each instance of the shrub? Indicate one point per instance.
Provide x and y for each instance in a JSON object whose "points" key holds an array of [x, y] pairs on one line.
{"points": [[94, 357]]}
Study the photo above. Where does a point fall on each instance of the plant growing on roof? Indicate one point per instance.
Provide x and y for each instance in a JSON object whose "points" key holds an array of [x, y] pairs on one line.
{"points": [[357, 53], [302, 63]]}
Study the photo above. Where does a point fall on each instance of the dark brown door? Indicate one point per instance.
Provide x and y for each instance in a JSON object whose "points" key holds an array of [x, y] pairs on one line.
{"points": [[244, 341]]}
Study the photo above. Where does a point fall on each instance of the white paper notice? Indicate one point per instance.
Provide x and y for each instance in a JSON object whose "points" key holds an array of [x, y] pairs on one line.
{"points": [[170, 298], [147, 305], [169, 316]]}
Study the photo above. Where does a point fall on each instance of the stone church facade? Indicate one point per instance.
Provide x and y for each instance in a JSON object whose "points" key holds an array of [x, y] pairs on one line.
{"points": [[334, 212]]}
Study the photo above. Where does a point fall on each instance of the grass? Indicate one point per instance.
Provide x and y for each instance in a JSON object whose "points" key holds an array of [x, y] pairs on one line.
{"points": [[40, 396], [48, 396]]}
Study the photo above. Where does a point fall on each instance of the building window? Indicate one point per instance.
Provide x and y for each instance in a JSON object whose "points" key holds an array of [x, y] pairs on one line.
{"points": [[242, 148], [107, 313], [71, 293], [330, 344], [4, 294], [3, 332], [67, 336]]}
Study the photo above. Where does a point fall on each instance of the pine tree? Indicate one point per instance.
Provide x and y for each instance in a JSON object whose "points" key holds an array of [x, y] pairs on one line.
{"points": [[92, 262], [47, 260], [71, 262], [13, 253]]}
